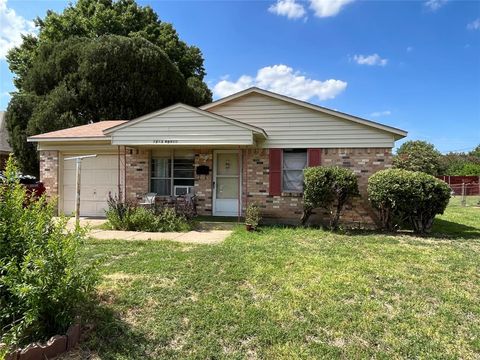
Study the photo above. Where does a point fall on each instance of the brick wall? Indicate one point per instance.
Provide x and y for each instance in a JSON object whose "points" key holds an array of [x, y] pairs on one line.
{"points": [[136, 173], [203, 183], [288, 206], [49, 172], [255, 181]]}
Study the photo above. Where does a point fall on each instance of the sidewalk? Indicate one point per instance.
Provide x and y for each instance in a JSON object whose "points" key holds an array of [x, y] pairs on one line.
{"points": [[190, 237]]}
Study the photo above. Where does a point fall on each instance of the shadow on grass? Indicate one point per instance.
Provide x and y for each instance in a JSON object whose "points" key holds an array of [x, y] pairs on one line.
{"points": [[442, 229], [448, 229], [107, 335]]}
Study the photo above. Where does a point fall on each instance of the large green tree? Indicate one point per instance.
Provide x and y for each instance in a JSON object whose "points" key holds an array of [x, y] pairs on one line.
{"points": [[94, 18], [76, 70], [419, 156], [82, 80]]}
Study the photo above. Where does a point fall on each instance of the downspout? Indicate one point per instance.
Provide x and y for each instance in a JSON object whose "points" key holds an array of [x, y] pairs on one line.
{"points": [[246, 178], [118, 174], [125, 173], [240, 167]]}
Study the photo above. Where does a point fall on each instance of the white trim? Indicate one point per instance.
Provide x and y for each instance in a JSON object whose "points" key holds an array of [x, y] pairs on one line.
{"points": [[255, 129], [240, 184], [398, 132], [69, 138]]}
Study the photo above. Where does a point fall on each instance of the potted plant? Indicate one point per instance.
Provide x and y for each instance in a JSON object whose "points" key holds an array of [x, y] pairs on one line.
{"points": [[252, 217]]}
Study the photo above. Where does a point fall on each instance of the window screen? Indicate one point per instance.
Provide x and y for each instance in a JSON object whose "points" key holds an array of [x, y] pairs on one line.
{"points": [[294, 161]]}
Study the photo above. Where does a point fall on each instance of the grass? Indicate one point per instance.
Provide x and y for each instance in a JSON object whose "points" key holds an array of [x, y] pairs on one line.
{"points": [[286, 293]]}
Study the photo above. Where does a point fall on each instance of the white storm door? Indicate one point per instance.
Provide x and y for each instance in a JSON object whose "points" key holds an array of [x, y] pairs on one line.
{"points": [[226, 187]]}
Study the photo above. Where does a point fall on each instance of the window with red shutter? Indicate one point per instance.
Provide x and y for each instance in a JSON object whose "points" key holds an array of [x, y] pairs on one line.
{"points": [[275, 178], [314, 157]]}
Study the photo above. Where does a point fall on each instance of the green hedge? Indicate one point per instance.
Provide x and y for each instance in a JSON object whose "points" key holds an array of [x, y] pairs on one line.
{"points": [[329, 188], [404, 197]]}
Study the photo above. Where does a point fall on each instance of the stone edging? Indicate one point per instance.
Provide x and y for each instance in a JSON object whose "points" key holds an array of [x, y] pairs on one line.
{"points": [[56, 346]]}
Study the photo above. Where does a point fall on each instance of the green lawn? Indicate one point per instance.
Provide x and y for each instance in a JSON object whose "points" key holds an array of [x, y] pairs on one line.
{"points": [[292, 293]]}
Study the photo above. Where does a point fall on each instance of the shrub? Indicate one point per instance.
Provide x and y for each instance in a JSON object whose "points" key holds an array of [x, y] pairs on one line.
{"points": [[407, 197], [252, 215], [119, 213], [329, 188], [169, 220], [127, 216], [43, 283]]}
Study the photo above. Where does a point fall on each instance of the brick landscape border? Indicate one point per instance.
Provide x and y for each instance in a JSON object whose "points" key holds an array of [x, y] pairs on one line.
{"points": [[56, 346]]}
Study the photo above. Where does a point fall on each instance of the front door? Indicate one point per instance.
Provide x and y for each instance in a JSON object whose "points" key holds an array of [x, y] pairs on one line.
{"points": [[226, 185]]}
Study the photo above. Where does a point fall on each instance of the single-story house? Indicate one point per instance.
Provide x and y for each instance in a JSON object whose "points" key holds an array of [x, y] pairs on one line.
{"points": [[247, 147], [5, 148]]}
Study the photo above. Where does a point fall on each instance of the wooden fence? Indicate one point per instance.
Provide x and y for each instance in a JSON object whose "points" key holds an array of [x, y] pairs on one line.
{"points": [[469, 184]]}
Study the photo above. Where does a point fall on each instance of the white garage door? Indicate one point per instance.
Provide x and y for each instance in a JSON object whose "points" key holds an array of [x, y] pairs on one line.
{"points": [[99, 178]]}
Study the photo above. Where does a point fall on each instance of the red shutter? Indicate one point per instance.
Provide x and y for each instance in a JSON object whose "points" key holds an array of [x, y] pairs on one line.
{"points": [[275, 186], [314, 157]]}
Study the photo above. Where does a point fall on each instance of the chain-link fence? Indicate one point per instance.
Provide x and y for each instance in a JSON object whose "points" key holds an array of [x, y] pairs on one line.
{"points": [[465, 190]]}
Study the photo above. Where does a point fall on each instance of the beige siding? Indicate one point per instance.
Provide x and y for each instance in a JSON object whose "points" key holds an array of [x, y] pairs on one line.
{"points": [[183, 127], [292, 126]]}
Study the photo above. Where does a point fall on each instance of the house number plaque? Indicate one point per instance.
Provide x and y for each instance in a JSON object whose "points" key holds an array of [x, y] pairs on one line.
{"points": [[165, 141]]}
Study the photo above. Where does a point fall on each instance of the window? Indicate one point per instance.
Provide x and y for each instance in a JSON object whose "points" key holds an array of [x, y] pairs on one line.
{"points": [[294, 161], [169, 171]]}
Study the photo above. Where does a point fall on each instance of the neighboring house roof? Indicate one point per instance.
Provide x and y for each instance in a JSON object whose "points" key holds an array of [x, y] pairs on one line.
{"points": [[4, 145], [83, 132], [240, 124], [397, 132]]}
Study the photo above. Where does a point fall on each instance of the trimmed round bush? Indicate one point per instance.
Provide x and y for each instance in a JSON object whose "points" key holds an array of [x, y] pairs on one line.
{"points": [[329, 188], [404, 197]]}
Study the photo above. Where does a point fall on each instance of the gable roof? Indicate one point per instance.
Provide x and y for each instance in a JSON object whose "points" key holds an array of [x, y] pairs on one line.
{"points": [[4, 145], [209, 114], [255, 90], [83, 132]]}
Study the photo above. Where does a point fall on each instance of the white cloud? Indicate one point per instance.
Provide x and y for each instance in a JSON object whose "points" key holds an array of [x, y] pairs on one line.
{"points": [[381, 113], [12, 26], [474, 25], [409, 48], [370, 60], [327, 8], [435, 4], [284, 80], [288, 8]]}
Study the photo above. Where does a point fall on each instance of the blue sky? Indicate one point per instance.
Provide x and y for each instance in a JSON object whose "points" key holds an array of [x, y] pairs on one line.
{"points": [[410, 64]]}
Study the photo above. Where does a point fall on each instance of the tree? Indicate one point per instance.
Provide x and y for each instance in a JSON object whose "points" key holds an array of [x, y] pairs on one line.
{"points": [[83, 80], [418, 156], [460, 163], [56, 91], [475, 152], [94, 18]]}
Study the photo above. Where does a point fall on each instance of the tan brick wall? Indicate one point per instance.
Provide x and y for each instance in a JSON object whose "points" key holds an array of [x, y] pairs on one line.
{"points": [[363, 161], [203, 183], [49, 171], [137, 175], [255, 180]]}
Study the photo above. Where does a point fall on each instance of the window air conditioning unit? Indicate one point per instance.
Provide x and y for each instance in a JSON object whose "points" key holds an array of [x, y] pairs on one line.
{"points": [[180, 190]]}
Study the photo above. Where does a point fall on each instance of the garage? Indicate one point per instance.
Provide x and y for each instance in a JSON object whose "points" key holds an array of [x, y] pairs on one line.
{"points": [[99, 179]]}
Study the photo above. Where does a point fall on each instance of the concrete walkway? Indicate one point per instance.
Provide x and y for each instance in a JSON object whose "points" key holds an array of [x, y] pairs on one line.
{"points": [[190, 237]]}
